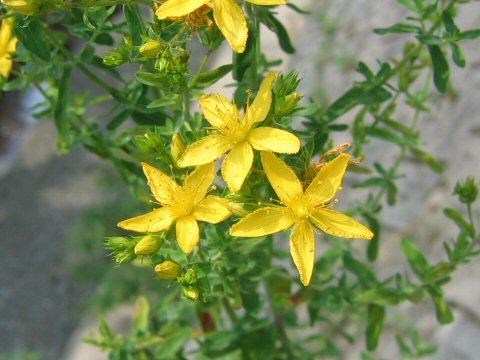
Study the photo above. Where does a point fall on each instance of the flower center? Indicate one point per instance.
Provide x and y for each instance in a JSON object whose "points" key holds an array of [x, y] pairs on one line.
{"points": [[302, 212], [240, 134]]}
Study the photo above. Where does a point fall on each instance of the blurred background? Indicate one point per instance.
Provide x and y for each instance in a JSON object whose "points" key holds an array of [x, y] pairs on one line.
{"points": [[55, 211]]}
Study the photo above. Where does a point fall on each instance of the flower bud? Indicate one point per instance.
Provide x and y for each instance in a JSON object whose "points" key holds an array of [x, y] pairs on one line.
{"points": [[191, 292], [148, 245], [178, 146], [168, 270], [292, 99], [25, 7], [467, 190], [151, 49]]}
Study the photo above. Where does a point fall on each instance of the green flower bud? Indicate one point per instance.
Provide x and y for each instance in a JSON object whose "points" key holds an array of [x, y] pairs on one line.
{"points": [[151, 49], [168, 270], [24, 7], [466, 190], [148, 245], [191, 292], [292, 99]]}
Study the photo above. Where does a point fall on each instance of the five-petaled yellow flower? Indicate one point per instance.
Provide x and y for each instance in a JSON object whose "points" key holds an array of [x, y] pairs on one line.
{"points": [[182, 205], [302, 210], [228, 16], [8, 46], [238, 135]]}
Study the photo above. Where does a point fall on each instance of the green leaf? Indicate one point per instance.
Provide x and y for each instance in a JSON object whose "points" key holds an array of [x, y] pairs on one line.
{"points": [[206, 79], [173, 343], [376, 319], [398, 28], [458, 56], [374, 243], [32, 36], [277, 27], [470, 34], [363, 272], [443, 311], [449, 24], [441, 70], [135, 23], [142, 314], [61, 120], [430, 39], [415, 258], [119, 119], [409, 4], [386, 135], [380, 296], [434, 164], [463, 224]]}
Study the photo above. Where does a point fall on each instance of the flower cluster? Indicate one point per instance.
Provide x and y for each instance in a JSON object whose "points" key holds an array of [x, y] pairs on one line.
{"points": [[238, 134]]}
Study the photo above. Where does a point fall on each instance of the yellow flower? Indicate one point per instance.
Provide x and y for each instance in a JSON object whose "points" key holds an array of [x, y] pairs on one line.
{"points": [[238, 135], [8, 46], [302, 210], [228, 16], [182, 205]]}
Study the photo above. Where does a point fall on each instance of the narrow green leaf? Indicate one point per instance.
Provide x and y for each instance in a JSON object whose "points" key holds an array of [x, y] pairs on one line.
{"points": [[434, 164], [363, 272], [277, 27], [430, 39], [32, 36], [135, 23], [62, 121], [441, 70], [470, 34], [415, 258], [374, 244], [463, 224], [298, 9], [376, 319], [142, 314], [409, 4], [206, 79], [380, 296], [449, 24], [173, 343], [458, 56], [386, 135], [119, 119], [443, 311], [398, 28]]}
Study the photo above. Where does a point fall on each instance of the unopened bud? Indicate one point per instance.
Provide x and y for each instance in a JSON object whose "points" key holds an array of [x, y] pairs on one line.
{"points": [[191, 292], [151, 49], [148, 245], [292, 99], [24, 7], [178, 146], [168, 270]]}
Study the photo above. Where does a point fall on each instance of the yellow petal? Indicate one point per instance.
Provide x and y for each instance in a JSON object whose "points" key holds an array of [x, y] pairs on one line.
{"points": [[163, 187], [211, 209], [156, 220], [267, 2], [6, 32], [188, 234], [236, 165], [231, 21], [5, 65], [302, 248], [264, 221], [276, 140], [282, 178], [260, 107], [219, 111], [205, 150], [174, 8], [199, 181], [338, 224], [328, 180]]}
